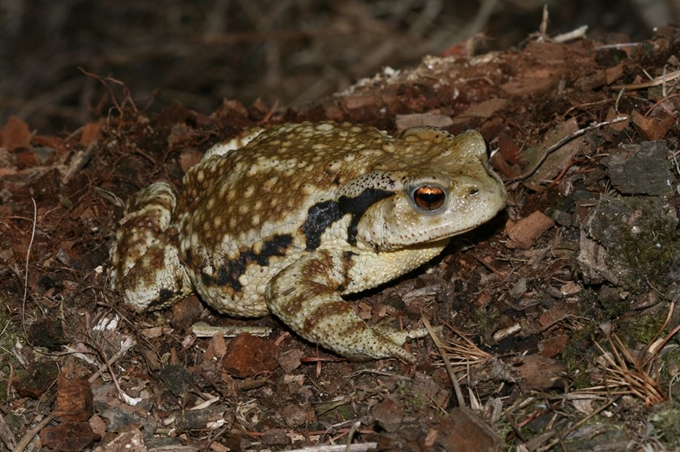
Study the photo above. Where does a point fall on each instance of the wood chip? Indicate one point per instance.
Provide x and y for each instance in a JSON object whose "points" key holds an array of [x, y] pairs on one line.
{"points": [[654, 126], [539, 372], [131, 441], [552, 346], [524, 233], [404, 122], [16, 134], [484, 110], [557, 160], [91, 132]]}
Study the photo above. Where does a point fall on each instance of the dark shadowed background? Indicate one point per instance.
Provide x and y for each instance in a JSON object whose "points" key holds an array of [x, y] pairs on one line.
{"points": [[285, 51]]}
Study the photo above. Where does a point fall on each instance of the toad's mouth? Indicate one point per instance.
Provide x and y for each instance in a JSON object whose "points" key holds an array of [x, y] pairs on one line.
{"points": [[431, 237]]}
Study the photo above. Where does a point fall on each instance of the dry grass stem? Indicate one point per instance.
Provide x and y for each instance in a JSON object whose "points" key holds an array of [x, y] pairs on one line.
{"points": [[636, 375]]}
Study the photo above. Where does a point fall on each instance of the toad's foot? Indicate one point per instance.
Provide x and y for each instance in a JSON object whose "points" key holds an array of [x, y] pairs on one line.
{"points": [[306, 297], [145, 261]]}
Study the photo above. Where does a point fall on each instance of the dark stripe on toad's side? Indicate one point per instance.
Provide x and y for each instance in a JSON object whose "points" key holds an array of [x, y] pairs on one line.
{"points": [[164, 296], [229, 274], [357, 206], [347, 264], [319, 217]]}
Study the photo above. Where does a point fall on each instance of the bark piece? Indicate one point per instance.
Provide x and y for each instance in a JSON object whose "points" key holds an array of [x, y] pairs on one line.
{"points": [[206, 418], [6, 434], [389, 413], [36, 379], [68, 436], [132, 441], [177, 378], [48, 333], [91, 132], [404, 122], [485, 109], [16, 134], [464, 431], [249, 355], [275, 437], [538, 372], [290, 360], [552, 346], [75, 401], [641, 169], [557, 160], [295, 415]]}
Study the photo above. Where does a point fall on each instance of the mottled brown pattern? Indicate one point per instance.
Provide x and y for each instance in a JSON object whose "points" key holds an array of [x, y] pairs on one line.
{"points": [[325, 311], [294, 305]]}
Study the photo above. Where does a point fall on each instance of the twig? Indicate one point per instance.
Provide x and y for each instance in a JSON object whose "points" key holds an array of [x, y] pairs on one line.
{"points": [[6, 434], [568, 431], [365, 447], [28, 437], [4, 328], [561, 143], [107, 363], [202, 329], [350, 435], [653, 82], [28, 257], [447, 364], [574, 34]]}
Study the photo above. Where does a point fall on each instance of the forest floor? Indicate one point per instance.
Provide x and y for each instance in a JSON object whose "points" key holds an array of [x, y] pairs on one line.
{"points": [[559, 317]]}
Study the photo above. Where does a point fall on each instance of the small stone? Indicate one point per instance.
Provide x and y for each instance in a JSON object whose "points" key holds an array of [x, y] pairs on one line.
{"points": [[294, 415], [177, 378]]}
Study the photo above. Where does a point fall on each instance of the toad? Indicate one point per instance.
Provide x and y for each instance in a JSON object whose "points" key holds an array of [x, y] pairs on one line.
{"points": [[300, 215]]}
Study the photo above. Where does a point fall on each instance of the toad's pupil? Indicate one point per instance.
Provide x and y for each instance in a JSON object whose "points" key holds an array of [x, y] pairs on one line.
{"points": [[429, 198]]}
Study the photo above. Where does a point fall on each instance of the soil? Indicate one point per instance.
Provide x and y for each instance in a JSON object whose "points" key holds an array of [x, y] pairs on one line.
{"points": [[558, 319]]}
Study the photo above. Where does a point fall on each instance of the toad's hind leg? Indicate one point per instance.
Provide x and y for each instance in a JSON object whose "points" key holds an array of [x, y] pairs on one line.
{"points": [[306, 297], [145, 257]]}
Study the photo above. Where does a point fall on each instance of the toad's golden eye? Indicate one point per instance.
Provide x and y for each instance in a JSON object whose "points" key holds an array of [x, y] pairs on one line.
{"points": [[428, 197]]}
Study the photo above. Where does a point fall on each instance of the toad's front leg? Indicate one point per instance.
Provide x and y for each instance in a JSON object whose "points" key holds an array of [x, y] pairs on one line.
{"points": [[306, 297]]}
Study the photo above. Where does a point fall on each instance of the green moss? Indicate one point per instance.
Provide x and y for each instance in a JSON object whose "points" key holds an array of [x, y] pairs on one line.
{"points": [[640, 329], [486, 319], [664, 419], [575, 355], [613, 308], [338, 414], [641, 237], [411, 398]]}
